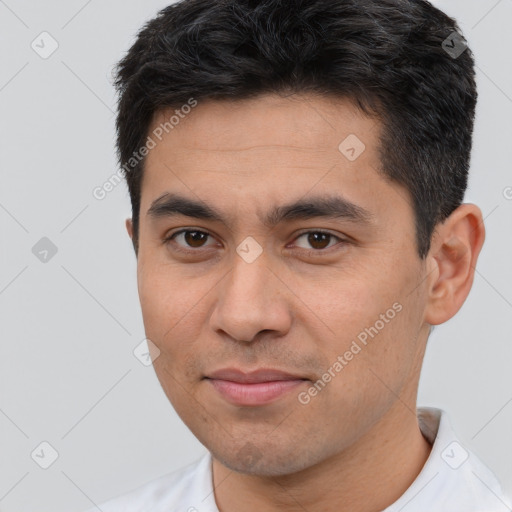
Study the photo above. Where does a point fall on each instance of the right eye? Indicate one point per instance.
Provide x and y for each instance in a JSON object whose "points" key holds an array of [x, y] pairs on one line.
{"points": [[192, 240]]}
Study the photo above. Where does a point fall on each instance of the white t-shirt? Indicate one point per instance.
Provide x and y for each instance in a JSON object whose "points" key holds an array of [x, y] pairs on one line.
{"points": [[453, 479]]}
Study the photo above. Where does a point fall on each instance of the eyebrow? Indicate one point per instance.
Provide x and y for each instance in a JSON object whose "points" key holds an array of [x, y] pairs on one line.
{"points": [[326, 206]]}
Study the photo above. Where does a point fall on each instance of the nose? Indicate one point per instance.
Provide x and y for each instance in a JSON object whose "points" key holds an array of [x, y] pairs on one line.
{"points": [[251, 298]]}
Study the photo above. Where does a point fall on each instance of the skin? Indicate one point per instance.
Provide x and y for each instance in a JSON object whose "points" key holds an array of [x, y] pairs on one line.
{"points": [[356, 446]]}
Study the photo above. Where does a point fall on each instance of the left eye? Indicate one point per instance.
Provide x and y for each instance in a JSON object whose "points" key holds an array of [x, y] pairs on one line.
{"points": [[318, 239]]}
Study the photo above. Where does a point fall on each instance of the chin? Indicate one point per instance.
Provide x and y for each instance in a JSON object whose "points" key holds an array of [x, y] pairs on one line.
{"points": [[250, 460]]}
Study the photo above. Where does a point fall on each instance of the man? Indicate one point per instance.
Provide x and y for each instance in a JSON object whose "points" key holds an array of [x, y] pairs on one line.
{"points": [[296, 172]]}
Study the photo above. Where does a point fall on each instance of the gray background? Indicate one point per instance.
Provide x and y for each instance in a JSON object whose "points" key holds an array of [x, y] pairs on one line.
{"points": [[68, 375]]}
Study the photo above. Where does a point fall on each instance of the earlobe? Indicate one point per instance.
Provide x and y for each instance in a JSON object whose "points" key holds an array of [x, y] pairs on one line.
{"points": [[454, 253]]}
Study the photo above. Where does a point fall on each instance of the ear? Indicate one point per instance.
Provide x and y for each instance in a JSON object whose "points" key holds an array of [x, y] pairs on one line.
{"points": [[451, 262], [129, 228]]}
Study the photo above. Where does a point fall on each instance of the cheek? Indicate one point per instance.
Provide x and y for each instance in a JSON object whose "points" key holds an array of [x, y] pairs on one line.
{"points": [[343, 303], [167, 305], [175, 312], [367, 319]]}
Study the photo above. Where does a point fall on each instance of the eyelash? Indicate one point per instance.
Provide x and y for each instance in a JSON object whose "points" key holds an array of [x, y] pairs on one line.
{"points": [[309, 252]]}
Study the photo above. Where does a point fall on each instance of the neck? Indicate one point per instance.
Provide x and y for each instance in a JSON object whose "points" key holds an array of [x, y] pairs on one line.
{"points": [[367, 477]]}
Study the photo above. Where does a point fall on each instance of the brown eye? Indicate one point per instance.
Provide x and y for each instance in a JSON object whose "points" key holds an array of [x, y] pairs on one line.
{"points": [[318, 240], [195, 238], [188, 239]]}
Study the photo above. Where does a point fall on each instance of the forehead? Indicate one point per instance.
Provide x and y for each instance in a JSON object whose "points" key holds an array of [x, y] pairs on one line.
{"points": [[302, 122], [263, 135], [268, 150]]}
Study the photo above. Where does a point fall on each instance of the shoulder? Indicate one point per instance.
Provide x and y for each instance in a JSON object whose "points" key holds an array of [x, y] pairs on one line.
{"points": [[453, 479]]}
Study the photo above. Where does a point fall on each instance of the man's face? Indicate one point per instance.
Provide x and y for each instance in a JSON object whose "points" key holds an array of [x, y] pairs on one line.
{"points": [[245, 293]]}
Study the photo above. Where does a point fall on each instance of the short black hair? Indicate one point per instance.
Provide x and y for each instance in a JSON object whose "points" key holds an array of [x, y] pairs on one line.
{"points": [[403, 61]]}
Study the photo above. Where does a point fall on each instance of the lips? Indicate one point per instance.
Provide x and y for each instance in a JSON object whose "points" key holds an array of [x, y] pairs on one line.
{"points": [[260, 375], [259, 387]]}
